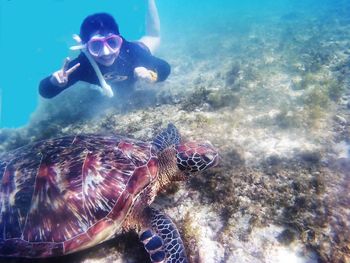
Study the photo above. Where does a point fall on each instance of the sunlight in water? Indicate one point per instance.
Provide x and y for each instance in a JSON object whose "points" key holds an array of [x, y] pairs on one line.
{"points": [[286, 255]]}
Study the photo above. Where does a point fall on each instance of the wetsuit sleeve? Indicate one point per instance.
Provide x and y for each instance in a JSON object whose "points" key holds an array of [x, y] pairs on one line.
{"points": [[147, 60], [49, 90]]}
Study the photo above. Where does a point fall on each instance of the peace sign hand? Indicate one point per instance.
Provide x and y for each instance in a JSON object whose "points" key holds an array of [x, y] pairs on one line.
{"points": [[60, 77]]}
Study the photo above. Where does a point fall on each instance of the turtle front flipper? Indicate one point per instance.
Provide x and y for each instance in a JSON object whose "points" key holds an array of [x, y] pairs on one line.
{"points": [[167, 137], [162, 239]]}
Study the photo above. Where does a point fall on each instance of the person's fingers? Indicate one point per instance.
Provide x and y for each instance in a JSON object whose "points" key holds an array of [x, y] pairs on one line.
{"points": [[56, 77], [65, 65], [59, 77], [145, 74], [72, 69]]}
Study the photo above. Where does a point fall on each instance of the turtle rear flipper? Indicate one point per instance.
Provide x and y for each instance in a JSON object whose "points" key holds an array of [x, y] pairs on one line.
{"points": [[167, 137], [162, 239]]}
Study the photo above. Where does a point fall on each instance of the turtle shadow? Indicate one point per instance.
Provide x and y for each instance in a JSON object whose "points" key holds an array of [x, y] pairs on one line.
{"points": [[125, 247]]}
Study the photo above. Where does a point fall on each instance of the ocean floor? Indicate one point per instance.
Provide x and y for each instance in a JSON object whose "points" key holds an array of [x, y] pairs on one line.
{"points": [[275, 101]]}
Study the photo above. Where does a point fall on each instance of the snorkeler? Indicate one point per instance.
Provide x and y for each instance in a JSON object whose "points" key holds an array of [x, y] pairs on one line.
{"points": [[107, 59]]}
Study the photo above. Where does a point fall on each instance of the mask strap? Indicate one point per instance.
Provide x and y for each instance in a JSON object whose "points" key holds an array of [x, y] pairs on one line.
{"points": [[106, 89]]}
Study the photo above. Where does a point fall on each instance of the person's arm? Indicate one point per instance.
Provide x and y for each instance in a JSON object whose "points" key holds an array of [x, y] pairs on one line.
{"points": [[152, 37], [48, 90], [60, 80]]}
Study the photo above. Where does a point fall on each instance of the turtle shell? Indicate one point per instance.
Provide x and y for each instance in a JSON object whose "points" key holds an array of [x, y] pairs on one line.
{"points": [[63, 195]]}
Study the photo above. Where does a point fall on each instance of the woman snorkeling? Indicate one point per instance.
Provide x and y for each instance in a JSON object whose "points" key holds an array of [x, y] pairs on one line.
{"points": [[107, 59]]}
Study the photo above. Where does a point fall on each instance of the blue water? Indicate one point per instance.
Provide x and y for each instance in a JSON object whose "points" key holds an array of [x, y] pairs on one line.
{"points": [[35, 37]]}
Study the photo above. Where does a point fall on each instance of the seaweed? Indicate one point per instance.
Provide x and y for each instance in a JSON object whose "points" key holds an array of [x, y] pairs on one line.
{"points": [[335, 89], [222, 99], [215, 99], [231, 75], [196, 99], [286, 119], [316, 103], [190, 234]]}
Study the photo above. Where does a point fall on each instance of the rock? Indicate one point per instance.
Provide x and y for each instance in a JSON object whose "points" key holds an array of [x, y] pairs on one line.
{"points": [[310, 156], [286, 237]]}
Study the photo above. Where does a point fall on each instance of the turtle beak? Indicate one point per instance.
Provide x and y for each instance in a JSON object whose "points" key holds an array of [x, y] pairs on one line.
{"points": [[216, 160], [212, 157]]}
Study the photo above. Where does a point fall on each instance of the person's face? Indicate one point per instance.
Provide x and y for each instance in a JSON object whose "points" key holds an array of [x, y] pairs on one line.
{"points": [[104, 49]]}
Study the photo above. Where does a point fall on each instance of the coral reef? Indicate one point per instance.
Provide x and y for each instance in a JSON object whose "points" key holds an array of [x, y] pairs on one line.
{"points": [[276, 105]]}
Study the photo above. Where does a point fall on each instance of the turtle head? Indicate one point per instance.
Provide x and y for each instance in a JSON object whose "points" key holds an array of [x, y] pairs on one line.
{"points": [[192, 157]]}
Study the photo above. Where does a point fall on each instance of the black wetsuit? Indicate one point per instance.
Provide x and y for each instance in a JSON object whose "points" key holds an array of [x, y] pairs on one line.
{"points": [[120, 75]]}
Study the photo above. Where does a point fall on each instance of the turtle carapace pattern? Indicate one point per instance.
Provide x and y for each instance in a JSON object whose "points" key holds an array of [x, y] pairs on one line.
{"points": [[63, 195]]}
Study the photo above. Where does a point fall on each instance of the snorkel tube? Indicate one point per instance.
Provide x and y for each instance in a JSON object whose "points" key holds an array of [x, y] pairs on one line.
{"points": [[106, 89]]}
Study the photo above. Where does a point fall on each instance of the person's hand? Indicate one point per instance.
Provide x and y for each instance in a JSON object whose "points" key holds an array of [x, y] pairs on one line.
{"points": [[145, 74], [60, 77]]}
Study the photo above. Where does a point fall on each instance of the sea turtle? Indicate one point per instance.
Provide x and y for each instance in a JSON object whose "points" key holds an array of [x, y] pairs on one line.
{"points": [[63, 195]]}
